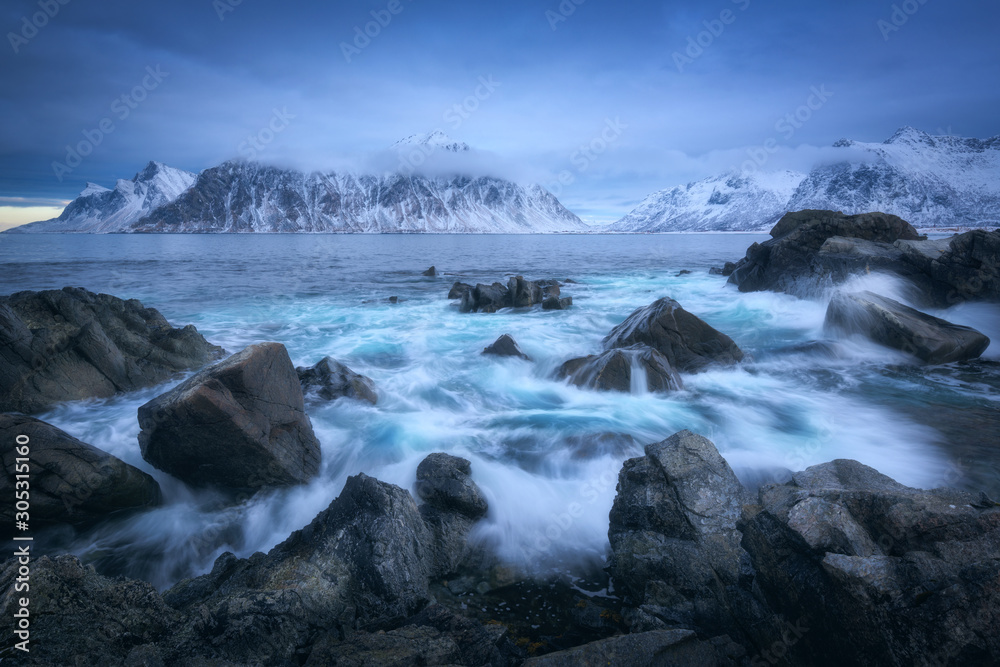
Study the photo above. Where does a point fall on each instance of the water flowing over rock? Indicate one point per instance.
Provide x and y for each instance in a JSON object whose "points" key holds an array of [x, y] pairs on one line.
{"points": [[329, 379], [792, 261], [637, 368], [240, 424], [909, 575], [506, 346], [557, 303], [688, 343], [900, 327], [71, 344], [70, 481], [517, 293]]}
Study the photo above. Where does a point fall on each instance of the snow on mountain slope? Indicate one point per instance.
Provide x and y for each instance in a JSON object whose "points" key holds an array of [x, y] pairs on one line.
{"points": [[930, 181], [249, 197], [98, 209], [722, 203], [432, 140]]}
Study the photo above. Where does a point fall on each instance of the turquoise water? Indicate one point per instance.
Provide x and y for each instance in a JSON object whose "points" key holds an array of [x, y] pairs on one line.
{"points": [[546, 454]]}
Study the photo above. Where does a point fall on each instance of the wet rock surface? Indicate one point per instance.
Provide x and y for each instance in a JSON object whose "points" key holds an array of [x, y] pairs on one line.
{"points": [[638, 367], [70, 481], [506, 346], [687, 342], [71, 344], [240, 424], [329, 380], [892, 324]]}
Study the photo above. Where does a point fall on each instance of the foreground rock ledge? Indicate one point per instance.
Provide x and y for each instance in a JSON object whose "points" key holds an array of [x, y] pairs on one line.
{"points": [[71, 344], [70, 481], [240, 424]]}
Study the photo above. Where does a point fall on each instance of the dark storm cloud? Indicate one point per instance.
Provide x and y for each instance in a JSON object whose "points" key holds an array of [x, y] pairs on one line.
{"points": [[692, 84]]}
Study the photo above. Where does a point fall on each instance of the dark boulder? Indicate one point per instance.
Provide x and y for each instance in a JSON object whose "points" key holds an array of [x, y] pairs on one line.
{"points": [[969, 269], [616, 370], [792, 261], [524, 293], [550, 288], [71, 344], [506, 346], [486, 299], [688, 343], [70, 481], [329, 379], [240, 424], [676, 555], [910, 576], [452, 503], [557, 303], [444, 482], [890, 323], [458, 290], [430, 273], [683, 272]]}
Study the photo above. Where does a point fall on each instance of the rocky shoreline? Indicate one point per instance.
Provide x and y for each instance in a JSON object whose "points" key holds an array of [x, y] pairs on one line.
{"points": [[836, 564]]}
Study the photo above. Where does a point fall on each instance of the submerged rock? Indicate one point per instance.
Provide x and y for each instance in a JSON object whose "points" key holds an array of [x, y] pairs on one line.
{"points": [[506, 346], [890, 323], [557, 303], [688, 343], [331, 380], [71, 344], [620, 369], [909, 575], [70, 481], [240, 424]]}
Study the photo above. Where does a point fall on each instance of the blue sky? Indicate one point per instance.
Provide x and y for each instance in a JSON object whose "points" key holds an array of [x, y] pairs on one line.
{"points": [[557, 76]]}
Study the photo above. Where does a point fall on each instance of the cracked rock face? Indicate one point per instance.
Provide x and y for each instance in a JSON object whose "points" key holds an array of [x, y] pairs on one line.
{"points": [[71, 344], [240, 424], [676, 554]]}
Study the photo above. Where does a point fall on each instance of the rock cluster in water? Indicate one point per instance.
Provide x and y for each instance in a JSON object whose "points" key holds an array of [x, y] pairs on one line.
{"points": [[517, 293]]}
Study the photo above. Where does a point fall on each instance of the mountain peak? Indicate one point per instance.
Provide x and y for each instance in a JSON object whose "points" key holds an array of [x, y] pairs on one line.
{"points": [[92, 189], [435, 139], [909, 135]]}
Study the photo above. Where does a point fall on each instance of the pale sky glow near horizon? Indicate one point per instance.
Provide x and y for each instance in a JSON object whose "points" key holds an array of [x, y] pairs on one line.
{"points": [[690, 87]]}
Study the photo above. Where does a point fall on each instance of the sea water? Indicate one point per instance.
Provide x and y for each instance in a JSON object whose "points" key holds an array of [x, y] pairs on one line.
{"points": [[545, 453]]}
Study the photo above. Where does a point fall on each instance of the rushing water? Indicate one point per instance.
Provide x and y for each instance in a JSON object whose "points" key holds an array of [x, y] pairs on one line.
{"points": [[545, 453]]}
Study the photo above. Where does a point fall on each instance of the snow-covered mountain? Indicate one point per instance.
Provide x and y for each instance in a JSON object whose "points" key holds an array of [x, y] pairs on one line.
{"points": [[249, 197], [240, 196], [432, 141], [100, 210], [720, 203], [930, 181]]}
